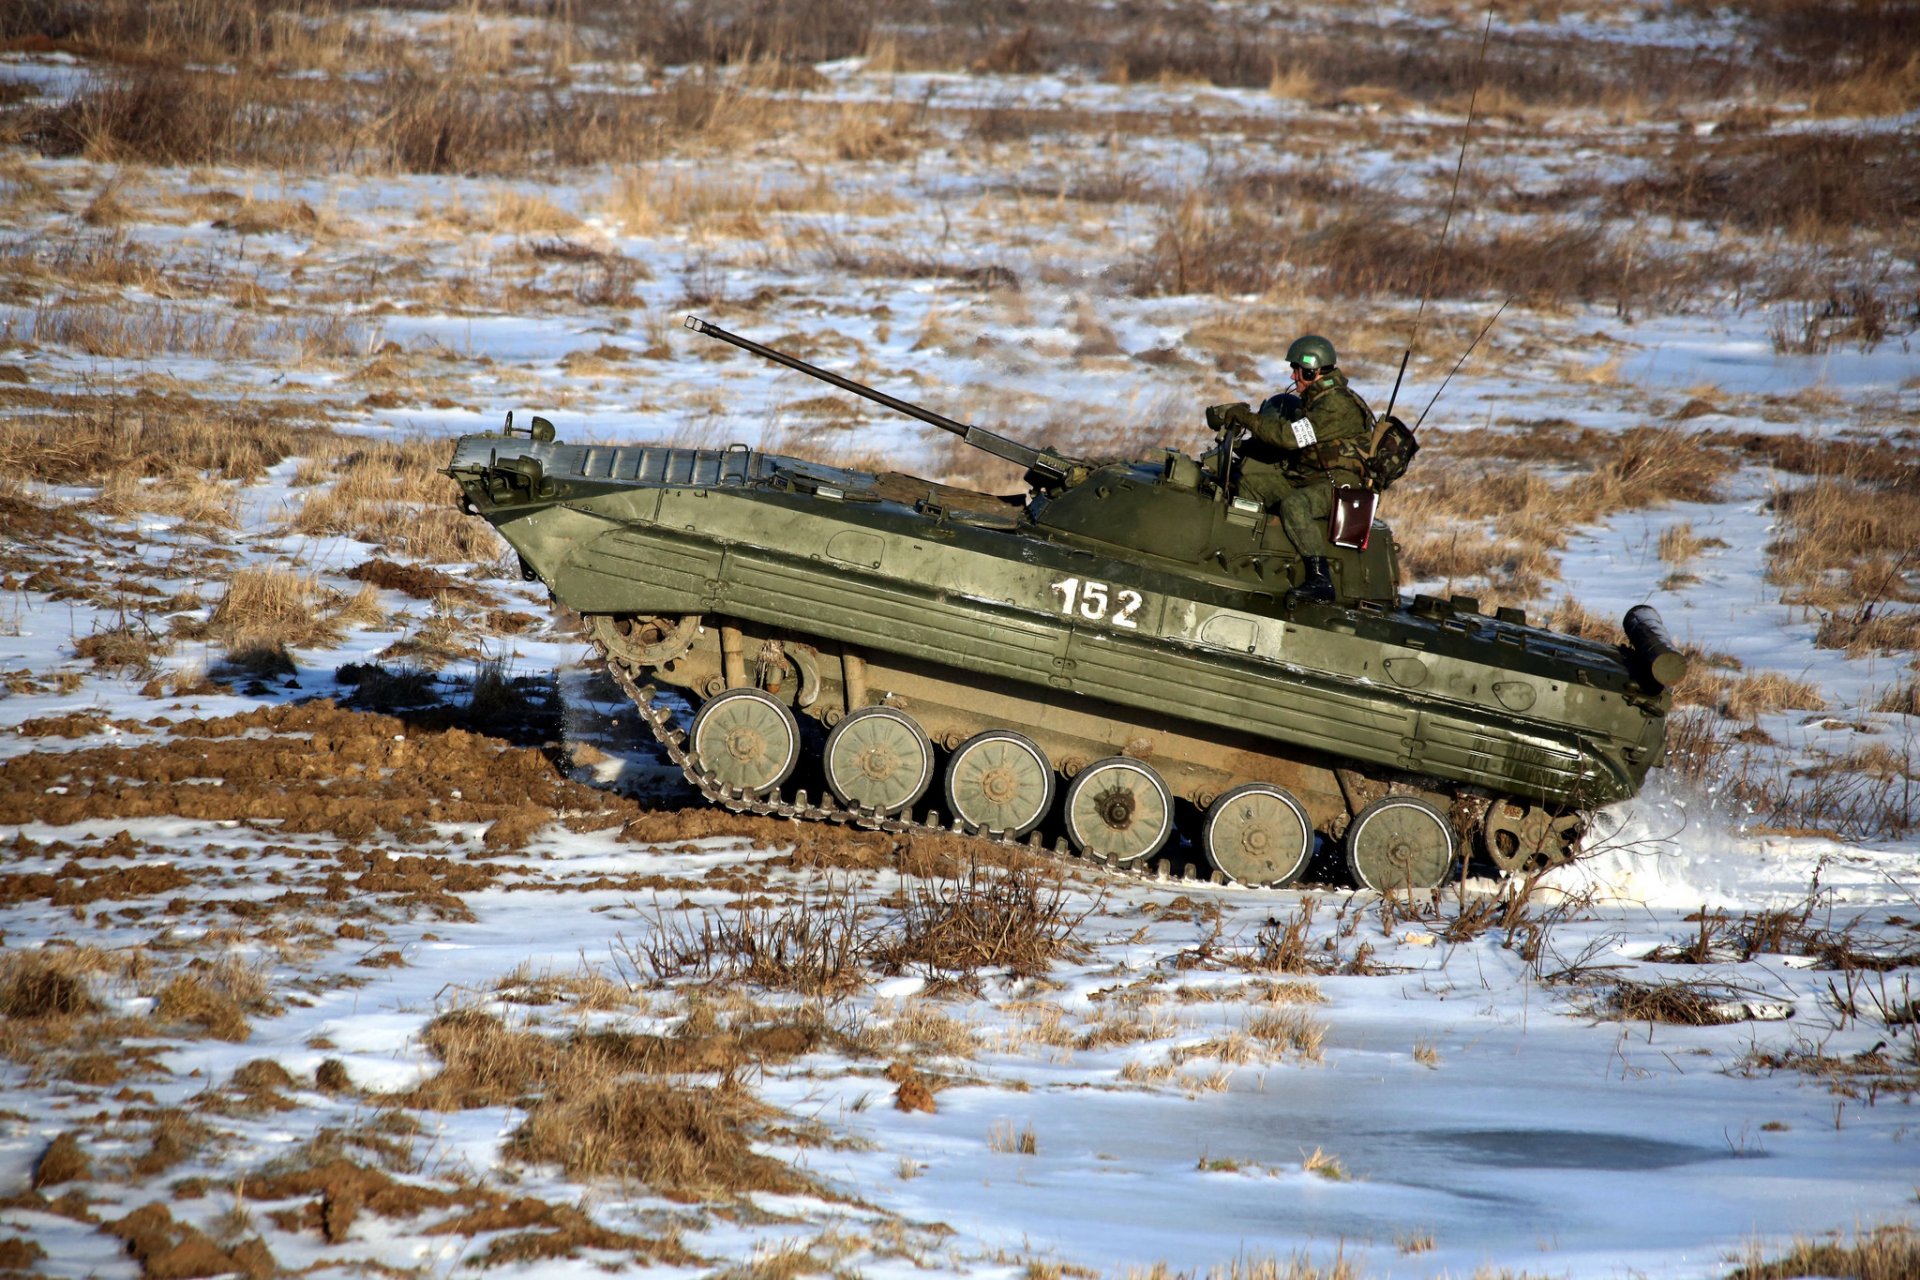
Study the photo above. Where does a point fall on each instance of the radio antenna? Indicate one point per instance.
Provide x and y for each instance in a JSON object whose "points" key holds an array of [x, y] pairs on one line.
{"points": [[1457, 363], [1459, 167]]}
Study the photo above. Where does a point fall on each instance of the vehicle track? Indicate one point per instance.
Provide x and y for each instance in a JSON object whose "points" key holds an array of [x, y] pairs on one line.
{"points": [[798, 806]]}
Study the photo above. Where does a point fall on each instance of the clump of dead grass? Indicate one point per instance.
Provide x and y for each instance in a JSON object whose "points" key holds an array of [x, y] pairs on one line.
{"points": [[115, 436], [128, 647], [1847, 548], [391, 494], [1289, 1031], [48, 983], [1019, 917], [217, 996], [1687, 1004], [596, 1108], [815, 946], [1887, 1252], [1761, 693], [270, 608], [1679, 543], [1825, 185]]}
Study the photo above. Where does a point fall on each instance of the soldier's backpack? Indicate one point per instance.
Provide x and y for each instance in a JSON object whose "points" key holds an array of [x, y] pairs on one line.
{"points": [[1393, 449]]}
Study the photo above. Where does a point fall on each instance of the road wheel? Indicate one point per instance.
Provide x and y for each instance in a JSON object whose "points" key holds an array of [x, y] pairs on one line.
{"points": [[1258, 834], [1120, 809], [999, 782], [879, 759], [746, 740], [1400, 842]]}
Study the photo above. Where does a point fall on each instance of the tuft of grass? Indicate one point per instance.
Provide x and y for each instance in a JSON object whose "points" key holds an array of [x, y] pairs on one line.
{"points": [[1325, 1166], [1816, 186], [129, 647], [47, 983], [273, 608], [1847, 549], [1685, 1004], [119, 435], [63, 1161], [189, 998], [1280, 946], [685, 1142], [1679, 543], [1018, 917], [1887, 1252], [1004, 1139], [1290, 1031], [815, 946]]}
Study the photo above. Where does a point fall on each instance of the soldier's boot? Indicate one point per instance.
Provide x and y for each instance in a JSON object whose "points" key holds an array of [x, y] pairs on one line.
{"points": [[1318, 588]]}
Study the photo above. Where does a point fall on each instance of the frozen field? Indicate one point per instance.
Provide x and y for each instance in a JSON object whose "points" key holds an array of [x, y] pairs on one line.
{"points": [[349, 926]]}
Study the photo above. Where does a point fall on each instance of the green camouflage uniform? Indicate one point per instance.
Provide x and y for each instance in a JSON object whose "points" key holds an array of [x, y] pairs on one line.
{"points": [[1292, 466]]}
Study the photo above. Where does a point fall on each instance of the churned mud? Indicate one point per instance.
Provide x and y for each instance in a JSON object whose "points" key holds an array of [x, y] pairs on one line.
{"points": [[354, 793], [312, 768]]}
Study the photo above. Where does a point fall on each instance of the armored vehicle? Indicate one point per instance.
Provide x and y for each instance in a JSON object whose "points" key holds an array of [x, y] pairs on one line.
{"points": [[1117, 660]]}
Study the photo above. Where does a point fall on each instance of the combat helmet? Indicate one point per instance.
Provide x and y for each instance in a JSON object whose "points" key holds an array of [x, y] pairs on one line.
{"points": [[1312, 352]]}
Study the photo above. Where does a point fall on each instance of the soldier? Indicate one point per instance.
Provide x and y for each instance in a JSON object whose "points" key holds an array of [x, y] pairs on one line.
{"points": [[1301, 444]]}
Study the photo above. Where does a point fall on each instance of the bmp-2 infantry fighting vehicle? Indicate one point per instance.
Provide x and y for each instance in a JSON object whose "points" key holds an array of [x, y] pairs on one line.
{"points": [[1122, 633]]}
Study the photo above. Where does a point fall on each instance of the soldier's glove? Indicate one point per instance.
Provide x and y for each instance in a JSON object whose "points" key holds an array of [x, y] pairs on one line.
{"points": [[1221, 417], [1285, 406]]}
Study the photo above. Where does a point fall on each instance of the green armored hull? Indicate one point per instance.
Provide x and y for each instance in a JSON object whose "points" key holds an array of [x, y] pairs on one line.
{"points": [[1115, 657]]}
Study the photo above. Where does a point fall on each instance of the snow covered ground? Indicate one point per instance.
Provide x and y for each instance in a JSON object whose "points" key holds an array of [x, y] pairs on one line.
{"points": [[1477, 1084]]}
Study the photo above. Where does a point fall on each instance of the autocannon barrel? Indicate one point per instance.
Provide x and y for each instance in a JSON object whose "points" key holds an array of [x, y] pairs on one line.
{"points": [[980, 438], [1662, 662]]}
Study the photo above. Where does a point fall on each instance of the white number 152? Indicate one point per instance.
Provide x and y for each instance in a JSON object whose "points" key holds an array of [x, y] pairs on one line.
{"points": [[1091, 600]]}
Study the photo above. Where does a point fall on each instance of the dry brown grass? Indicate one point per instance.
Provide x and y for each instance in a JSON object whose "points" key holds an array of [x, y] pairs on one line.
{"points": [[1901, 699], [1761, 693], [915, 1027], [815, 946], [1889, 1252], [1004, 1139], [1494, 529], [128, 648], [1572, 618], [121, 437], [593, 1111], [50, 982], [1680, 1003], [391, 494], [1680, 544], [1019, 917], [685, 1143], [1291, 1031], [1325, 1165], [118, 332], [275, 608], [1816, 186], [217, 996], [1280, 946], [1246, 1266], [1848, 549]]}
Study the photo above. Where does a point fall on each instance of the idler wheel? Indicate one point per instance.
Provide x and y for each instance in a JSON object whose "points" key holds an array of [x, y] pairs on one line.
{"points": [[879, 759], [1258, 834], [999, 782], [1120, 809], [1400, 842], [746, 740], [1525, 838]]}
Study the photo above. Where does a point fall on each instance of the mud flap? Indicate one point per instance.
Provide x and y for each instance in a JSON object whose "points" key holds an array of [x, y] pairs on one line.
{"points": [[1350, 522]]}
